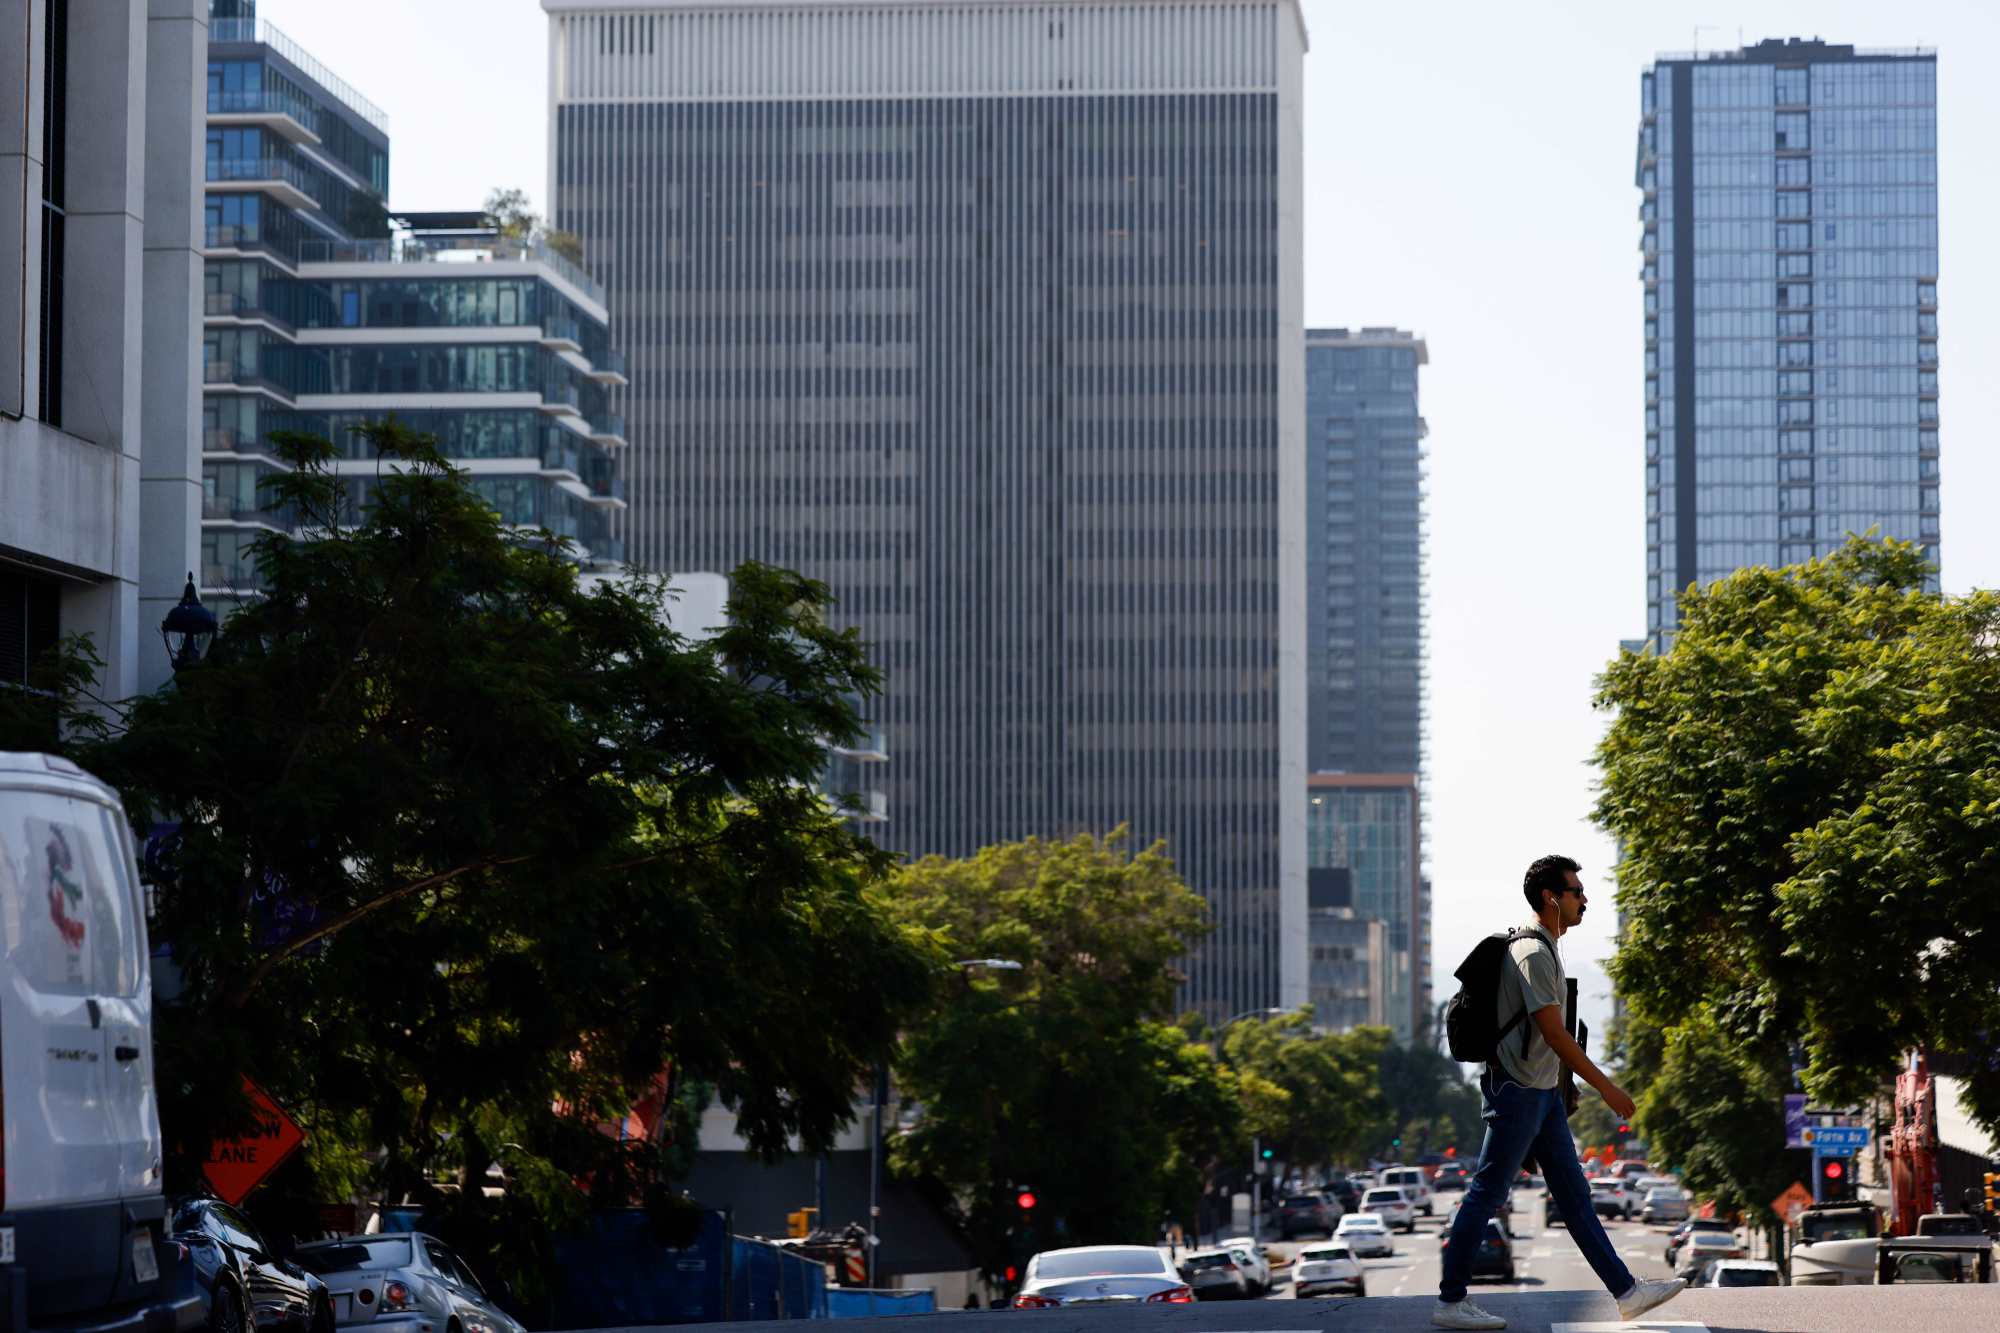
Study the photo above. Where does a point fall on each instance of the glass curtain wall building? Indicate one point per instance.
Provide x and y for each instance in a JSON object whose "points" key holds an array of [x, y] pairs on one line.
{"points": [[1362, 849], [989, 316], [1790, 261], [321, 311], [1365, 632]]}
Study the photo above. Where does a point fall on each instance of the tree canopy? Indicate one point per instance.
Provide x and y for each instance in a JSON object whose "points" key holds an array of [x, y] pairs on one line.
{"points": [[1806, 790], [457, 855], [1065, 1076]]}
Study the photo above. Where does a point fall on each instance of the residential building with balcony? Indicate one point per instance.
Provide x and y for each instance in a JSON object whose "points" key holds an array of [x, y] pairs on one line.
{"points": [[1789, 255], [323, 311], [100, 229]]}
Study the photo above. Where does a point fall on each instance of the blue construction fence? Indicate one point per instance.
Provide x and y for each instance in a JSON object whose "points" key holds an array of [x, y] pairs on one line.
{"points": [[617, 1275]]}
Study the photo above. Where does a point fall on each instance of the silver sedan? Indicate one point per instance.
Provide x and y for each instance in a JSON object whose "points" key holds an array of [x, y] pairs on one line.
{"points": [[1102, 1275], [405, 1282]]}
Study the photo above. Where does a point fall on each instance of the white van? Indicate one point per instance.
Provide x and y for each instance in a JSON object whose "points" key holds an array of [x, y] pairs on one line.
{"points": [[1415, 1184], [81, 1214]]}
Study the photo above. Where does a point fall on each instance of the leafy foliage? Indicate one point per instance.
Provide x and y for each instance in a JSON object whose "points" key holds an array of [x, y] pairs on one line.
{"points": [[1064, 1076], [1333, 1109], [468, 853], [1806, 788]]}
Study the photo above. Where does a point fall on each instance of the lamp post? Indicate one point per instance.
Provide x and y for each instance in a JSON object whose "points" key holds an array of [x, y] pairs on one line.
{"points": [[188, 629], [1256, 1147]]}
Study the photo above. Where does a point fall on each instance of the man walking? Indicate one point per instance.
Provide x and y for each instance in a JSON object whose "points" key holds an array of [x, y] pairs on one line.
{"points": [[1524, 1111]]}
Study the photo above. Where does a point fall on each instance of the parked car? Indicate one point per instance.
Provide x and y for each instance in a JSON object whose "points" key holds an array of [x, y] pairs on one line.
{"points": [[403, 1278], [1346, 1193], [1256, 1261], [1299, 1214], [1214, 1275], [1328, 1267], [85, 1219], [1689, 1227], [1665, 1203], [1702, 1249], [1610, 1198], [1744, 1273], [243, 1281], [1367, 1234], [1389, 1203], [1415, 1182], [1495, 1256], [1101, 1275]]}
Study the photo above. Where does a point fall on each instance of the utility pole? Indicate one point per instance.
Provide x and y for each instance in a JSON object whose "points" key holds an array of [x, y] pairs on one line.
{"points": [[1256, 1188], [874, 1241]]}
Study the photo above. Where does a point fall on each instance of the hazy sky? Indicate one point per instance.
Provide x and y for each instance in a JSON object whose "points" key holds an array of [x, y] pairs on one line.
{"points": [[1469, 177]]}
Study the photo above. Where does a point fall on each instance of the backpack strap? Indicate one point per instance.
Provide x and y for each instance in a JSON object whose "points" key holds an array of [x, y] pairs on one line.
{"points": [[1527, 1032]]}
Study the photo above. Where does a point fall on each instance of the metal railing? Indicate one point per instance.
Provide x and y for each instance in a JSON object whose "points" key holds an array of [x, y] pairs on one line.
{"points": [[263, 101], [609, 486], [561, 456], [610, 363], [419, 250], [257, 30], [561, 328], [608, 423], [243, 511], [259, 169], [561, 394]]}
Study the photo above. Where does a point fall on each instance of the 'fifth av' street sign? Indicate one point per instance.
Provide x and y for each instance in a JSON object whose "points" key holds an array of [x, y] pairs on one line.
{"points": [[1835, 1140]]}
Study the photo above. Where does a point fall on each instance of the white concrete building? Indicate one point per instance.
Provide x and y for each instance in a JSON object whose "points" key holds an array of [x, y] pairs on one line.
{"points": [[100, 285]]}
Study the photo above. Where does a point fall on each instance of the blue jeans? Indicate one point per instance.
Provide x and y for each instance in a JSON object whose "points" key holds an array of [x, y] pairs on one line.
{"points": [[1518, 1119]]}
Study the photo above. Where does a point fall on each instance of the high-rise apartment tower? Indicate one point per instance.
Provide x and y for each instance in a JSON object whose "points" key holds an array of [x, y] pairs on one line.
{"points": [[1790, 259], [989, 316]]}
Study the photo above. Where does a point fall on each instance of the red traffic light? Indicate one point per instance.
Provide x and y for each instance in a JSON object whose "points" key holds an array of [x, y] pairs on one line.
{"points": [[1451, 1151], [1011, 1273], [1026, 1199], [1833, 1169]]}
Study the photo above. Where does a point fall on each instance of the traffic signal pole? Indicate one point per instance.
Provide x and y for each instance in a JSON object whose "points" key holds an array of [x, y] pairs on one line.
{"points": [[1256, 1188]]}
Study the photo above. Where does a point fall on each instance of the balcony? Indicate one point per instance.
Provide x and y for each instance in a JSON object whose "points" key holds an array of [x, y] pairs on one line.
{"points": [[274, 176], [609, 430], [234, 306], [607, 488], [560, 400], [457, 250], [257, 30], [562, 459], [225, 509], [610, 369], [560, 334], [246, 238], [229, 580], [281, 113], [219, 374]]}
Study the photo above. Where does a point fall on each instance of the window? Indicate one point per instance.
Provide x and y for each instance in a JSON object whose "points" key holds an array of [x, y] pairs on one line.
{"points": [[55, 127], [1794, 204], [1789, 85], [1791, 130], [1794, 235]]}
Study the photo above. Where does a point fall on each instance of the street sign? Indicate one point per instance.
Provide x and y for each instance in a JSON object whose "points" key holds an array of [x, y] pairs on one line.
{"points": [[1795, 1119], [237, 1166], [1792, 1202], [1836, 1140]]}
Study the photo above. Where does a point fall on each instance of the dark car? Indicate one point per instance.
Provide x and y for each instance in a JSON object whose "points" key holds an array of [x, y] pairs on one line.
{"points": [[1345, 1192], [240, 1275], [1450, 1177], [1495, 1257], [1299, 1214]]}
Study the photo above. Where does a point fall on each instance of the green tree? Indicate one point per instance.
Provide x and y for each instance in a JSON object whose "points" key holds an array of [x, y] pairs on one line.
{"points": [[1066, 1076], [1806, 788], [1333, 1104], [1424, 1088], [468, 854], [507, 212]]}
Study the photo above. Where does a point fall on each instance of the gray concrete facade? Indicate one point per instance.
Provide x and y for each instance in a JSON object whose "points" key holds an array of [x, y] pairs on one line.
{"points": [[75, 530]]}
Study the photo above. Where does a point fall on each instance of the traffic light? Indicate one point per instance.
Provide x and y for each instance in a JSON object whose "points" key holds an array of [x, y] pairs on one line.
{"points": [[1396, 1143], [1024, 1199], [798, 1225], [1624, 1131], [1993, 1191], [1836, 1179], [1451, 1150], [1268, 1154]]}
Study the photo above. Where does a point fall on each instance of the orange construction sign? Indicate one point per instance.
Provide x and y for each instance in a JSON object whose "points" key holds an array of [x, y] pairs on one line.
{"points": [[1792, 1202], [237, 1166]]}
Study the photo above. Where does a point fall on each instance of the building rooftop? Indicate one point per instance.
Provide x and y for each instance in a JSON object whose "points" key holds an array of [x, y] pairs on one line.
{"points": [[1370, 337], [1802, 50]]}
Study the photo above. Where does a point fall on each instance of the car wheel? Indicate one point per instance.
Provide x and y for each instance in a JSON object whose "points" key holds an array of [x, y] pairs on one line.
{"points": [[225, 1311], [1361, 1289]]}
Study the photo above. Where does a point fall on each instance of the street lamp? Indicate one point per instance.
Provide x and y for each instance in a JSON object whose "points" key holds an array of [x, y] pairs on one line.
{"points": [[188, 629]]}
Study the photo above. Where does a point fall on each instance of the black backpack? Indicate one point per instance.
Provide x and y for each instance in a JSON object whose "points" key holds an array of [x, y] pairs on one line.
{"points": [[1472, 1027]]}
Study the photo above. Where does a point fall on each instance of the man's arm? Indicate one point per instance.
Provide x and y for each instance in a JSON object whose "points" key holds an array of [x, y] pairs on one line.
{"points": [[1549, 1022]]}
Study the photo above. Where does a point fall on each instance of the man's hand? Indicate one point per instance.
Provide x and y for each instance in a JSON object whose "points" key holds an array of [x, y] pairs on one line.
{"points": [[1618, 1100]]}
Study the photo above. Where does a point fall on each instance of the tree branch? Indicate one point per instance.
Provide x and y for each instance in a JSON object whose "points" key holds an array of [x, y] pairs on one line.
{"points": [[353, 914]]}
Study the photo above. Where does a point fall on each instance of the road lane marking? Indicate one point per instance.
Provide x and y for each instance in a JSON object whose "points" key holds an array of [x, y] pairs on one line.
{"points": [[1635, 1326]]}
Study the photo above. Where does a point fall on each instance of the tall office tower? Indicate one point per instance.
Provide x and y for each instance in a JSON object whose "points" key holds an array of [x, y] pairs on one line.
{"points": [[99, 385], [1789, 233], [1365, 652], [989, 316], [322, 311]]}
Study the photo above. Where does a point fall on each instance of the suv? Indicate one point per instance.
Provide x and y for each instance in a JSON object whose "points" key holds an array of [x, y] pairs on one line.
{"points": [[83, 1222], [1415, 1184], [1301, 1213], [1389, 1203], [1610, 1198]]}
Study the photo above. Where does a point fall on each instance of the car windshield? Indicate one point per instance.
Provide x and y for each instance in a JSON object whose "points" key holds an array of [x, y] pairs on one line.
{"points": [[347, 1255], [1710, 1240], [1950, 1225], [1664, 1196], [1834, 1228], [1124, 1261], [1323, 1252], [1604, 1186], [1209, 1261], [1301, 1201], [1383, 1196], [1746, 1277], [1360, 1222]]}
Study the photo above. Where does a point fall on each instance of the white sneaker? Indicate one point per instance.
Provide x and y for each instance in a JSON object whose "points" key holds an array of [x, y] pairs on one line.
{"points": [[1463, 1314], [1648, 1295]]}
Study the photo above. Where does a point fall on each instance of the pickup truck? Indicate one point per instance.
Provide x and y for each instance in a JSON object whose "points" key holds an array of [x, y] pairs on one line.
{"points": [[1948, 1247]]}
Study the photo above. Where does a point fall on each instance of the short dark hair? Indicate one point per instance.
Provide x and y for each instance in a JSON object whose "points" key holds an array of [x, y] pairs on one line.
{"points": [[1546, 873]]}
